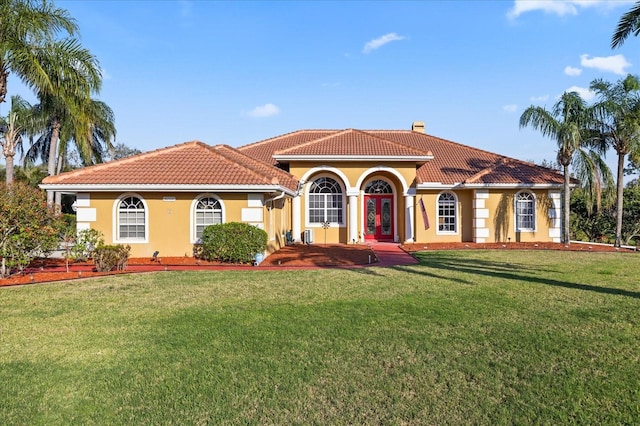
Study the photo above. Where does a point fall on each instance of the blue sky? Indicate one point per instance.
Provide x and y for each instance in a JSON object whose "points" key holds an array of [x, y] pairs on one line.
{"points": [[239, 72]]}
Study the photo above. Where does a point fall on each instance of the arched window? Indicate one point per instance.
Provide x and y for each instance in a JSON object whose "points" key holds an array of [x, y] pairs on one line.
{"points": [[447, 213], [325, 201], [131, 219], [525, 211], [208, 211], [378, 187]]}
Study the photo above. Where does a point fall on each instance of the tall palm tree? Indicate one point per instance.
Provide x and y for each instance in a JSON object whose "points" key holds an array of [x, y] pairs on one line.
{"points": [[14, 127], [566, 123], [629, 23], [91, 130], [25, 26], [618, 122], [75, 75]]}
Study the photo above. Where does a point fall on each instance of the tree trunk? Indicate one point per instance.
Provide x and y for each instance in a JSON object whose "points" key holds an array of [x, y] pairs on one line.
{"points": [[8, 159], [566, 208], [53, 156], [53, 148], [619, 199]]}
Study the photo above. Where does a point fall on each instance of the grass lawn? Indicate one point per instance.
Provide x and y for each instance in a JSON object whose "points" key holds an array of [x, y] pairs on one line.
{"points": [[484, 337]]}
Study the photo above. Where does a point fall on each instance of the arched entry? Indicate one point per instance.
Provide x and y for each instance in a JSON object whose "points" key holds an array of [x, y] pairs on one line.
{"points": [[378, 211]]}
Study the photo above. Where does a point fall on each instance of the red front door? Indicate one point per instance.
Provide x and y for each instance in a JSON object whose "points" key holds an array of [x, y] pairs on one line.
{"points": [[378, 217]]}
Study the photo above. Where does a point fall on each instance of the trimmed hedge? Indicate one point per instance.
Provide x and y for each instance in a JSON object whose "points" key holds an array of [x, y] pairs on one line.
{"points": [[231, 242], [106, 258]]}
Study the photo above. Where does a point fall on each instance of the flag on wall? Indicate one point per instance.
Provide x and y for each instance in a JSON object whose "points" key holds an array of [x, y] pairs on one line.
{"points": [[425, 216]]}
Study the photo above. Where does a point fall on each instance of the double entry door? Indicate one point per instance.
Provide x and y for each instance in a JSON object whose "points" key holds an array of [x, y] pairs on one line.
{"points": [[378, 217]]}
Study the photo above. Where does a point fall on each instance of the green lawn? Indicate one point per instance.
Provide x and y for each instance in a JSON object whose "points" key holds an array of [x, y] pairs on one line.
{"points": [[489, 337]]}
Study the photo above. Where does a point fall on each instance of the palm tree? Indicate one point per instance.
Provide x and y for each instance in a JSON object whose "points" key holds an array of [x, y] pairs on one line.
{"points": [[566, 123], [629, 23], [91, 130], [618, 122], [14, 127], [26, 26], [74, 74]]}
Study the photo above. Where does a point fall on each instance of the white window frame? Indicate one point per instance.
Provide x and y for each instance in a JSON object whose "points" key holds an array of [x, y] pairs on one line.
{"points": [[308, 194], [192, 214], [456, 214], [516, 215], [116, 221]]}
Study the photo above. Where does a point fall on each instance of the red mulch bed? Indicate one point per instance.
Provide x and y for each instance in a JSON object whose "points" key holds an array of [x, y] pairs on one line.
{"points": [[299, 255], [513, 246]]}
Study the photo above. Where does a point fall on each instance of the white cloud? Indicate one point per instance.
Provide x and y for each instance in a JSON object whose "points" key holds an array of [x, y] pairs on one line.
{"points": [[571, 71], [510, 108], [381, 41], [615, 64], [542, 98], [584, 92], [267, 110], [561, 7], [105, 74]]}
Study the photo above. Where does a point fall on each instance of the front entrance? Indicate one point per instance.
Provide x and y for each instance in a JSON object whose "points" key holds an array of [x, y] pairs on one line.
{"points": [[378, 217]]}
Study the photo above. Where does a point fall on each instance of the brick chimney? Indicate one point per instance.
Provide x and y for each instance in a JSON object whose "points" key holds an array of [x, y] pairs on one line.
{"points": [[418, 126]]}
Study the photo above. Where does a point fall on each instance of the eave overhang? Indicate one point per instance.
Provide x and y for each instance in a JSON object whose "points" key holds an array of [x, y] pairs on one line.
{"points": [[462, 185], [165, 188], [316, 158]]}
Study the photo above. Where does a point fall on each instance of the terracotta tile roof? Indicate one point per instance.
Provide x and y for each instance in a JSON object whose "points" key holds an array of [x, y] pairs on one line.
{"points": [[190, 163], [263, 150], [453, 163], [352, 143], [457, 163]]}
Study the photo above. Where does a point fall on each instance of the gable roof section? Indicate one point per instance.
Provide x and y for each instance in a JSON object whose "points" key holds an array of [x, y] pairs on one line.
{"points": [[352, 145], [193, 165], [453, 164]]}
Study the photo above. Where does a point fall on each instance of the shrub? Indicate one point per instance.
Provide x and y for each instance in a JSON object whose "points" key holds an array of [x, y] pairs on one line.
{"points": [[106, 258], [87, 241], [28, 227], [232, 242]]}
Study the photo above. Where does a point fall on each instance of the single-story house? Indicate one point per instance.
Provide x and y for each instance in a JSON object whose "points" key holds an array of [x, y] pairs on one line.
{"points": [[334, 186]]}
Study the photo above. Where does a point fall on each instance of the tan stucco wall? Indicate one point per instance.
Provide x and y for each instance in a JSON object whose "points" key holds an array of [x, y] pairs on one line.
{"points": [[465, 217], [500, 223], [170, 222], [351, 174], [502, 219]]}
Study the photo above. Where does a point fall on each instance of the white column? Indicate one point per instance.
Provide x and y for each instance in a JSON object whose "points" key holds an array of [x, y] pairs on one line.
{"points": [[480, 216], [296, 230], [353, 218], [555, 216], [409, 214]]}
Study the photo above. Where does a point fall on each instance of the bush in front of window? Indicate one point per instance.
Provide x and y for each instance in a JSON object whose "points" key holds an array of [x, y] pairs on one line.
{"points": [[107, 258], [232, 242]]}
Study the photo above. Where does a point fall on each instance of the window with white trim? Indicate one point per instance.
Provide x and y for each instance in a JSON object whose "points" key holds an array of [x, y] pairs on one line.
{"points": [[525, 211], [131, 219], [208, 211], [325, 201], [447, 213]]}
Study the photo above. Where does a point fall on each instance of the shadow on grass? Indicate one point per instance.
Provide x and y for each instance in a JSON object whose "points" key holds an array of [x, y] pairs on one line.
{"points": [[443, 261]]}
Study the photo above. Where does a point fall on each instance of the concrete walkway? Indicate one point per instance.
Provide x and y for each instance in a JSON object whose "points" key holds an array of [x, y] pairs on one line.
{"points": [[390, 254]]}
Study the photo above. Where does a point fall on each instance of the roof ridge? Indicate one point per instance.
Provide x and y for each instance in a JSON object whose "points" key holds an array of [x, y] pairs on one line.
{"points": [[486, 171], [251, 164], [396, 143], [286, 135], [421, 135], [347, 131], [313, 141]]}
